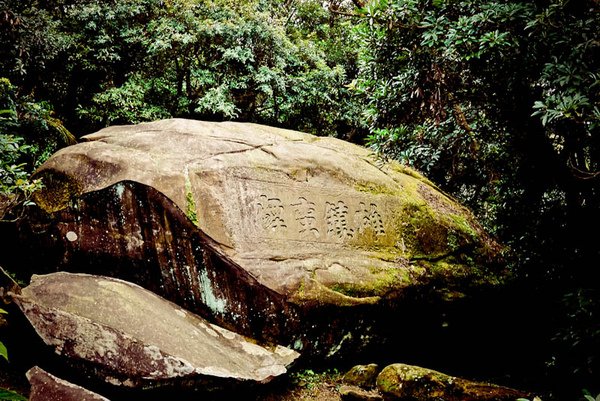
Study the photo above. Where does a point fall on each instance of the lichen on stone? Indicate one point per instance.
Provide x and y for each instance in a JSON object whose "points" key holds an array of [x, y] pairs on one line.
{"points": [[57, 191], [191, 210]]}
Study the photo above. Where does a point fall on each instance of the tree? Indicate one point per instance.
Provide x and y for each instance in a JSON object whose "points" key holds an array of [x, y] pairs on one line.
{"points": [[498, 102], [216, 61]]}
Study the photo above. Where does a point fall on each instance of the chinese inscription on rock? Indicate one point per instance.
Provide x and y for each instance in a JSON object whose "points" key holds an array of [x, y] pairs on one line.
{"points": [[335, 220]]}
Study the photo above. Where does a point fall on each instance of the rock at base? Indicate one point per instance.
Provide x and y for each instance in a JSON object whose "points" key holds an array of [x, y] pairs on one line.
{"points": [[46, 387], [406, 382], [129, 336], [362, 375]]}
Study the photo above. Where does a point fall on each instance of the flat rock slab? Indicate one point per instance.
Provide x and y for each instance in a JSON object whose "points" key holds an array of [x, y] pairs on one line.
{"points": [[134, 337], [47, 387], [282, 236]]}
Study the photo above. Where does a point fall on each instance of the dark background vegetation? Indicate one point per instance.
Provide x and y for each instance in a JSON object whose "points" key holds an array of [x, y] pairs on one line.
{"points": [[497, 101]]}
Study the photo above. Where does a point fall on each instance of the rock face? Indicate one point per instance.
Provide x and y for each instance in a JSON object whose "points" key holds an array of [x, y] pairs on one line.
{"points": [[282, 236], [130, 336]]}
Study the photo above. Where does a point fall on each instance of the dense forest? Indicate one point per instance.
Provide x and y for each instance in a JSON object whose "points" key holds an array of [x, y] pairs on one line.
{"points": [[496, 101]]}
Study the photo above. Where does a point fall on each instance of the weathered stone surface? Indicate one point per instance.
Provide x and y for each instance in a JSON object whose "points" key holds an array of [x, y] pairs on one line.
{"points": [[406, 382], [47, 387], [362, 375], [133, 337], [282, 236]]}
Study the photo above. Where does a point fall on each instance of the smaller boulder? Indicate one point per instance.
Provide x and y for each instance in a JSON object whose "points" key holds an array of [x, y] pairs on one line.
{"points": [[46, 387], [129, 336], [362, 375], [406, 382]]}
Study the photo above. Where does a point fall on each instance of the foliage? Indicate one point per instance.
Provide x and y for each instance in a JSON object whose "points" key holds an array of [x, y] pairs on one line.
{"points": [[29, 134], [309, 379], [589, 397], [3, 351], [486, 98], [437, 81], [451, 88], [8, 395], [569, 106], [30, 42], [278, 62], [7, 284], [497, 101], [580, 331], [142, 60], [15, 187]]}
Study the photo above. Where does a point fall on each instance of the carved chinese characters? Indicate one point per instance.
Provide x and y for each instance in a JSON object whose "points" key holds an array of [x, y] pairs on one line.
{"points": [[337, 220], [318, 219], [271, 211], [368, 217], [305, 215]]}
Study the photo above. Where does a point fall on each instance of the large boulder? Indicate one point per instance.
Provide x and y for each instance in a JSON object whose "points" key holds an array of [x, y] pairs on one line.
{"points": [[128, 336], [307, 241]]}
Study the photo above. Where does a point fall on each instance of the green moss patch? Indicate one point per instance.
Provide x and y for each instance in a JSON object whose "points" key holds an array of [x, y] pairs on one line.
{"points": [[58, 191], [191, 211]]}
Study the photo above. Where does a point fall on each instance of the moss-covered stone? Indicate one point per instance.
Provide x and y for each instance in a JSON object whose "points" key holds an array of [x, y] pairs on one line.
{"points": [[190, 211], [362, 375], [57, 191], [413, 383]]}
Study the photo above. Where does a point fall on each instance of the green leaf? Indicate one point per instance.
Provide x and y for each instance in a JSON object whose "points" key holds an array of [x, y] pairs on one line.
{"points": [[3, 352], [7, 395], [12, 113], [3, 311]]}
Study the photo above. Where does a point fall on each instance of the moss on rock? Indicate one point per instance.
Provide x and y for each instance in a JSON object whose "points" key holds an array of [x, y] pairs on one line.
{"points": [[57, 192], [413, 383]]}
